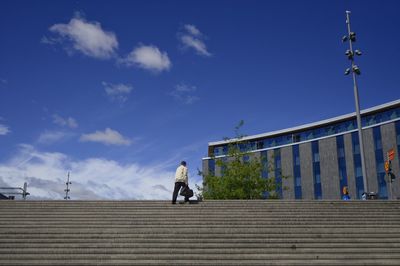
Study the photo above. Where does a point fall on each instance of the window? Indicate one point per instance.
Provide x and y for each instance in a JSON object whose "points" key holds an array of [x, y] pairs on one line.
{"points": [[357, 164], [296, 159], [265, 168], [341, 163], [211, 167], [379, 160], [260, 145], [373, 119], [359, 170], [278, 172], [316, 170], [297, 172], [264, 161], [316, 157], [220, 150]]}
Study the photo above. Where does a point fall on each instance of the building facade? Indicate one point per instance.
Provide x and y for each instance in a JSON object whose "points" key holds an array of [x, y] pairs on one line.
{"points": [[323, 157]]}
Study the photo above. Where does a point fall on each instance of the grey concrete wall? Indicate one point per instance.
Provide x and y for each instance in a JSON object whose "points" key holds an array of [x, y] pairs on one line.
{"points": [[388, 132], [329, 169], [287, 170], [307, 180], [370, 164], [351, 180], [205, 166]]}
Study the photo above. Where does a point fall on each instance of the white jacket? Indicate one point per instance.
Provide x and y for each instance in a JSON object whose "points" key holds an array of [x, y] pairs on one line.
{"points": [[181, 174]]}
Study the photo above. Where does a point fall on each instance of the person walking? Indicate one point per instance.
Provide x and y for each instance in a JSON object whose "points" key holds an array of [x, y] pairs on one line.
{"points": [[181, 180]]}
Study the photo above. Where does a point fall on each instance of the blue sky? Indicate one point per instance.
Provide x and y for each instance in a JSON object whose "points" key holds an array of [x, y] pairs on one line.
{"points": [[119, 92]]}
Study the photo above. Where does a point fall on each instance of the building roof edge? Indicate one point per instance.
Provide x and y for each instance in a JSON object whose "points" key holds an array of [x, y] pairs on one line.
{"points": [[311, 125]]}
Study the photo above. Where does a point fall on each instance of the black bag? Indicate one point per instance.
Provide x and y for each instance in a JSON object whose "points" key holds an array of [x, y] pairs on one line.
{"points": [[186, 192]]}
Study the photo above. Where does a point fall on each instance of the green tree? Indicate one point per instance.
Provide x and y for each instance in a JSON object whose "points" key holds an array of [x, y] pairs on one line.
{"points": [[241, 173]]}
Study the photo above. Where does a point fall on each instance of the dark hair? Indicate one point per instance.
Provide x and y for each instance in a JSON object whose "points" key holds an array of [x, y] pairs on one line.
{"points": [[183, 163]]}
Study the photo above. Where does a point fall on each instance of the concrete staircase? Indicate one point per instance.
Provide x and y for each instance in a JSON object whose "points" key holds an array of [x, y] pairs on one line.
{"points": [[207, 233]]}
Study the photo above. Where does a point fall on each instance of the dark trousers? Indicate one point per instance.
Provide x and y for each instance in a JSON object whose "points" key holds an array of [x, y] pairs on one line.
{"points": [[177, 187]]}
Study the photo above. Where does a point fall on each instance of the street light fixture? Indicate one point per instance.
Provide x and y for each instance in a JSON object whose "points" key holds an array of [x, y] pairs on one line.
{"points": [[355, 70]]}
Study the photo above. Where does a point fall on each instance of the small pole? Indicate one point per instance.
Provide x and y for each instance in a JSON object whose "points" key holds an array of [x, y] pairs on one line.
{"points": [[24, 193], [359, 125], [67, 189]]}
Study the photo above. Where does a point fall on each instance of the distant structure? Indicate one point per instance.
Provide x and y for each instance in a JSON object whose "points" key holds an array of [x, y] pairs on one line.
{"points": [[8, 193], [323, 157], [67, 189]]}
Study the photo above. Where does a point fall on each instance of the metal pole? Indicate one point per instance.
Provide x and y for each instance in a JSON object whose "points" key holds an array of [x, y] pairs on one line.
{"points": [[359, 126], [67, 190], [24, 193]]}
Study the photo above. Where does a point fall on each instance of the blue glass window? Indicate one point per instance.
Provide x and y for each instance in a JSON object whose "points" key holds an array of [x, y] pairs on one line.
{"points": [[278, 172], [316, 170], [310, 134], [297, 172], [341, 163], [265, 169], [211, 167], [387, 115], [357, 165], [260, 145], [379, 159], [264, 161]]}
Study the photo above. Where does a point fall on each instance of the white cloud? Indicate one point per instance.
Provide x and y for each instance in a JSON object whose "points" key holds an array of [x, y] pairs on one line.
{"points": [[50, 137], [108, 137], [92, 178], [196, 44], [192, 30], [148, 57], [193, 39], [86, 37], [4, 130], [117, 92], [185, 93], [51, 40], [69, 122]]}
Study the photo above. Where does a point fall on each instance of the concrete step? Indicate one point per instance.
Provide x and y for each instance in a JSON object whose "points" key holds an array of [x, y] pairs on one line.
{"points": [[201, 255], [150, 262], [204, 228], [215, 223], [226, 244], [200, 228], [285, 241], [207, 233], [175, 256]]}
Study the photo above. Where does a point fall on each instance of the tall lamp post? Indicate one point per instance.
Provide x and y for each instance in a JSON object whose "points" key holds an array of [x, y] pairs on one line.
{"points": [[354, 69]]}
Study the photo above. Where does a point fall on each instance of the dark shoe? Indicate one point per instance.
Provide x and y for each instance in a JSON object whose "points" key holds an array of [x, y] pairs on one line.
{"points": [[173, 202]]}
